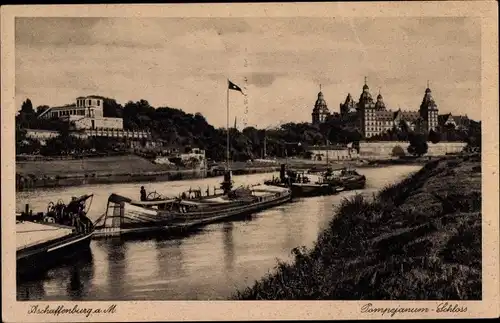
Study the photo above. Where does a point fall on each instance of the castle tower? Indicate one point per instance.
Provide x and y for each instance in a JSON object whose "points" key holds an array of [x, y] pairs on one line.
{"points": [[428, 110], [366, 112], [380, 105], [349, 106], [320, 110], [365, 99]]}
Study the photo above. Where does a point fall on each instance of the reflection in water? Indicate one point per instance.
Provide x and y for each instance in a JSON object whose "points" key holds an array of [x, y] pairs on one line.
{"points": [[75, 286], [76, 275], [30, 290], [168, 257], [117, 281], [295, 224], [81, 276], [208, 264], [227, 230]]}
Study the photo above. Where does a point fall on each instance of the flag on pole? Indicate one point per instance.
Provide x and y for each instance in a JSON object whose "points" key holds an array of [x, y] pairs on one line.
{"points": [[233, 86]]}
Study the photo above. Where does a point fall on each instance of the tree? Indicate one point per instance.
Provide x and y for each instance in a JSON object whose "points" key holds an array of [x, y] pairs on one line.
{"points": [[111, 108], [434, 136], [398, 151], [418, 144], [26, 114], [41, 108], [27, 107]]}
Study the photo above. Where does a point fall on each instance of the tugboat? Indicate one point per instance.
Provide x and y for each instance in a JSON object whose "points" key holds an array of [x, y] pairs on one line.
{"points": [[47, 238], [302, 185], [349, 179]]}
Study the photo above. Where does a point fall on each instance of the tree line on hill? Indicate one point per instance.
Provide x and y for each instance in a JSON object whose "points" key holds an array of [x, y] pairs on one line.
{"points": [[176, 128]]}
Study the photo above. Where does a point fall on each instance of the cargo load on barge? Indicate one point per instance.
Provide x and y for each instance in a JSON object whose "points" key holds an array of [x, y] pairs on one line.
{"points": [[125, 216], [59, 234]]}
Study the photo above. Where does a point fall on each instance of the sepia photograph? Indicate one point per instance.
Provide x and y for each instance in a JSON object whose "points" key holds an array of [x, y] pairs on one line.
{"points": [[249, 157]]}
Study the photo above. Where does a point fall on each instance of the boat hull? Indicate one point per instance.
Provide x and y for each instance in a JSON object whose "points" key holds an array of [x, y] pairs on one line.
{"points": [[37, 259], [351, 184], [166, 228], [310, 190]]}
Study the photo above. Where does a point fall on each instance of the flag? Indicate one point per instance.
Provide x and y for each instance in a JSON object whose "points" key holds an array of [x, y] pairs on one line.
{"points": [[233, 86]]}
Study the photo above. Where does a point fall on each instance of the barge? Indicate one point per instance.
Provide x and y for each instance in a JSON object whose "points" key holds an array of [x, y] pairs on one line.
{"points": [[349, 179], [126, 217], [46, 239], [304, 185]]}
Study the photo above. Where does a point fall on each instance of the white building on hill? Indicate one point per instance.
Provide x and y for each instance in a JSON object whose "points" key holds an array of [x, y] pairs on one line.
{"points": [[87, 113]]}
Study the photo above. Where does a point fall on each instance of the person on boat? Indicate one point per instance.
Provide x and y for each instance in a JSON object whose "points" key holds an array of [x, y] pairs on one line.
{"points": [[143, 194]]}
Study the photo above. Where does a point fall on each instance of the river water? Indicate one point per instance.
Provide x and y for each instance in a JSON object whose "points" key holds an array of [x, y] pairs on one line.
{"points": [[209, 264]]}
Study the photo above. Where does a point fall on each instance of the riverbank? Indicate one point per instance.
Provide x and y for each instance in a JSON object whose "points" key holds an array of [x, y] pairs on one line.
{"points": [[419, 239], [33, 174]]}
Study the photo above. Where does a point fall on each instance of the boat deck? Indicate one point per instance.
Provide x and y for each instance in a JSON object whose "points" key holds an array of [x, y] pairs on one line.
{"points": [[29, 233]]}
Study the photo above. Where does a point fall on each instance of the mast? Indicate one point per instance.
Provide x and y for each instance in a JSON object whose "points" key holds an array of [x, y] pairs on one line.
{"points": [[227, 125], [265, 140]]}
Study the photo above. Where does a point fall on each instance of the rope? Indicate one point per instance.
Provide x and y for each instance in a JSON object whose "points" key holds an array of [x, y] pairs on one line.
{"points": [[90, 204]]}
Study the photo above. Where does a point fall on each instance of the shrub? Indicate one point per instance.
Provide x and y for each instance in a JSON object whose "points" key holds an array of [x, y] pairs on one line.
{"points": [[398, 151], [418, 145]]}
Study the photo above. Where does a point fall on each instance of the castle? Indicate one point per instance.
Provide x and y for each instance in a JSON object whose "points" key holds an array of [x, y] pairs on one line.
{"points": [[371, 117]]}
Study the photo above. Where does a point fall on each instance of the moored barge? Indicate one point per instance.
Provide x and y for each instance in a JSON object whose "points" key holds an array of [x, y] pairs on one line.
{"points": [[349, 179], [125, 217], [304, 185], [48, 238]]}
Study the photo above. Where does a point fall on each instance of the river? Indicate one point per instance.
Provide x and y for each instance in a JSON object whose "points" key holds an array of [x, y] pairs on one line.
{"points": [[209, 264]]}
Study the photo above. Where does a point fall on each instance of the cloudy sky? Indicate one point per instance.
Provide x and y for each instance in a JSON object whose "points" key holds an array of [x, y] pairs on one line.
{"points": [[184, 63]]}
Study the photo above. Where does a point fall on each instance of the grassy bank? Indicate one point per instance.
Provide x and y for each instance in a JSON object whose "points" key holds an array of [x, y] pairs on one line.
{"points": [[97, 165], [419, 239], [108, 170], [32, 174]]}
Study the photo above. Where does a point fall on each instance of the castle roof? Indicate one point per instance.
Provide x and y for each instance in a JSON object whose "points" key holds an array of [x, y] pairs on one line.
{"points": [[461, 120], [410, 115], [383, 115], [458, 120], [407, 115], [380, 102], [428, 100], [320, 106], [348, 99]]}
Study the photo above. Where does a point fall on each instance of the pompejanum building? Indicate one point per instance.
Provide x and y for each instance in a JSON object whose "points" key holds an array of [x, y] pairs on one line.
{"points": [[372, 117]]}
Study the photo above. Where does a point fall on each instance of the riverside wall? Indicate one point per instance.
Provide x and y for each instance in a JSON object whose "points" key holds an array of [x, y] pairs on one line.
{"points": [[388, 149]]}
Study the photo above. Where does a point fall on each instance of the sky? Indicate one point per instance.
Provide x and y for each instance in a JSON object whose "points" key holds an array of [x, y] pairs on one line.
{"points": [[280, 63]]}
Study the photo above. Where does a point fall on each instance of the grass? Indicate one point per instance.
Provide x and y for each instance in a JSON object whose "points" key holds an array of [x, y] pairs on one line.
{"points": [[127, 164], [419, 239]]}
